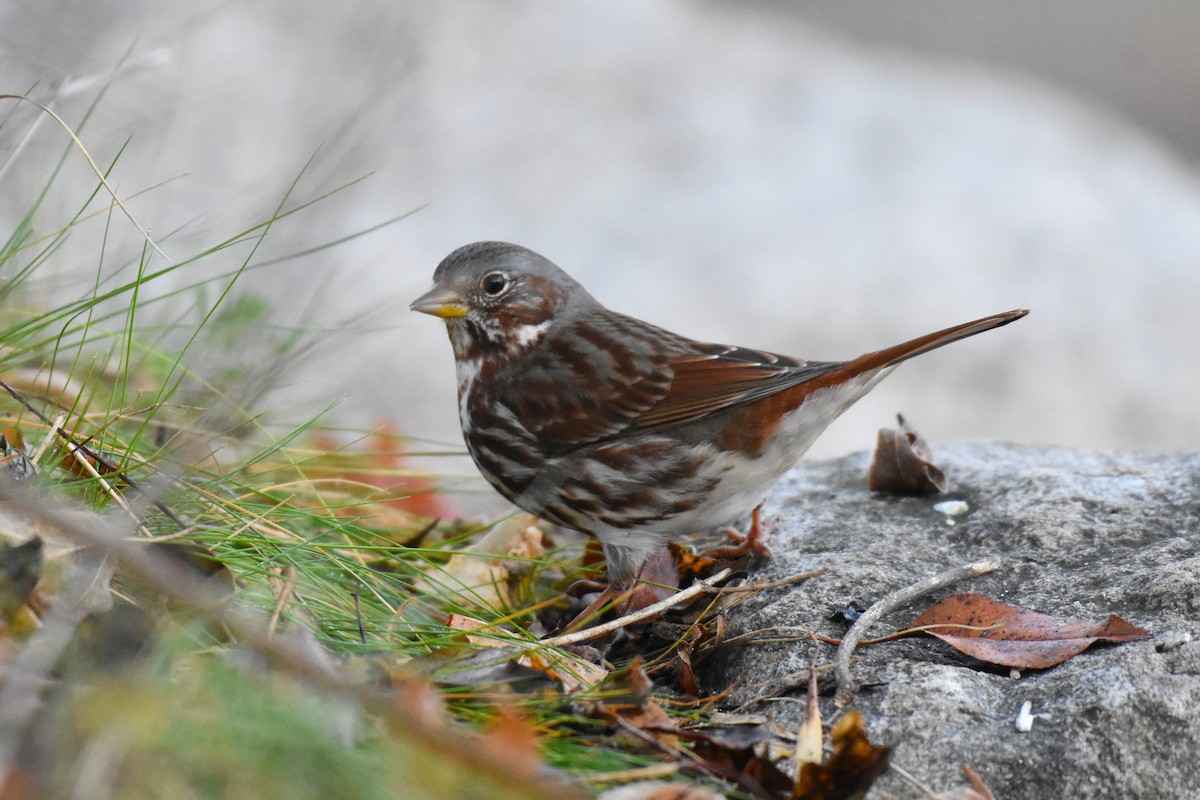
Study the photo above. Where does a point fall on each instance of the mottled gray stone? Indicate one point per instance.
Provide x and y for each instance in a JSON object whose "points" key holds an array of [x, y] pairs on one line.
{"points": [[1082, 534]]}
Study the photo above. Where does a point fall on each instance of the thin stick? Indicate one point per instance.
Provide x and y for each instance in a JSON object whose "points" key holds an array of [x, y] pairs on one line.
{"points": [[51, 435], [925, 791], [284, 595], [587, 634], [846, 686], [762, 586], [77, 454]]}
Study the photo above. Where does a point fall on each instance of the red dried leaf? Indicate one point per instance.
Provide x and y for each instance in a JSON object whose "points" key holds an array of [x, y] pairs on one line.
{"points": [[1015, 637]]}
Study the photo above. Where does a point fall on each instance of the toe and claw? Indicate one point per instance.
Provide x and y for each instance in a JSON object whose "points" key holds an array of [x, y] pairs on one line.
{"points": [[754, 542]]}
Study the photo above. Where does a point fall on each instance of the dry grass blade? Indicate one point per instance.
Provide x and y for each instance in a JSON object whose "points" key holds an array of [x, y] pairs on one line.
{"points": [[95, 168]]}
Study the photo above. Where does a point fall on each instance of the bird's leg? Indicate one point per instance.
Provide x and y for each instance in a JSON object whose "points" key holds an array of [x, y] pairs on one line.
{"points": [[755, 540], [656, 579]]}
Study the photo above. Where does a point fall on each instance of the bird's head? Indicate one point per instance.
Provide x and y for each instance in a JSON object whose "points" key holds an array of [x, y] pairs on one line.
{"points": [[500, 299]]}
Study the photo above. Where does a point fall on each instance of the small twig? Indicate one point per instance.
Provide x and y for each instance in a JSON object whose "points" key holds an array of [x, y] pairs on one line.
{"points": [[55, 427], [587, 634], [77, 454], [285, 594], [911, 779], [846, 686], [764, 585]]}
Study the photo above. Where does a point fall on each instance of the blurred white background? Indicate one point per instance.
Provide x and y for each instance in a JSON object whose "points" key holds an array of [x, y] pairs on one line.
{"points": [[817, 179]]}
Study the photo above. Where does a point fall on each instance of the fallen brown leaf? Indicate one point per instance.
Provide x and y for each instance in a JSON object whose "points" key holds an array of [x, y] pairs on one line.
{"points": [[650, 719], [903, 463], [657, 580], [850, 770], [1014, 637]]}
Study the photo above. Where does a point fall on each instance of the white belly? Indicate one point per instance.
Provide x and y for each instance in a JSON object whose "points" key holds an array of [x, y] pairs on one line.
{"points": [[745, 482]]}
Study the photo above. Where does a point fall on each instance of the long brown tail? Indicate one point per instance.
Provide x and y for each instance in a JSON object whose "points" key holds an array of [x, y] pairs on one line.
{"points": [[841, 377], [879, 360], [890, 356]]}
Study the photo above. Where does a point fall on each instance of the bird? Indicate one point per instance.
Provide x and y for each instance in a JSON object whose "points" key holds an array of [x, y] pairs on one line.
{"points": [[619, 429]]}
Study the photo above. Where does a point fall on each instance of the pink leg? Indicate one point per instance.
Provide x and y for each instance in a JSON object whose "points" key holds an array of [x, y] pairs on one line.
{"points": [[656, 579], [755, 541]]}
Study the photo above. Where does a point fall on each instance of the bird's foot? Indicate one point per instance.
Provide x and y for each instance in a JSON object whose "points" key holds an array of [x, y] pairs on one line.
{"points": [[754, 542]]}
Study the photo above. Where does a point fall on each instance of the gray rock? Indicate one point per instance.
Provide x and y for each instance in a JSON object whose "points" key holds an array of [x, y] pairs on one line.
{"points": [[1081, 534]]}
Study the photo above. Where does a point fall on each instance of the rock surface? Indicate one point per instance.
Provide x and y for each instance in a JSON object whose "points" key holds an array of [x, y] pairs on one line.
{"points": [[1081, 534]]}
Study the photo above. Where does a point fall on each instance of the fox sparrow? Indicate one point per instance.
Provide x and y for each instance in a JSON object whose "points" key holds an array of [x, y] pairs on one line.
{"points": [[620, 429]]}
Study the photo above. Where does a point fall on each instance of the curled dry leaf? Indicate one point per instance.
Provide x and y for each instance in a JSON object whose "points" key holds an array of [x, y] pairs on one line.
{"points": [[657, 580], [1014, 637], [903, 463], [651, 720], [742, 754], [636, 707]]}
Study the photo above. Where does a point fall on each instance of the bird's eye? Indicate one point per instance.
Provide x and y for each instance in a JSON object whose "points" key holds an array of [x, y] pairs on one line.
{"points": [[494, 283]]}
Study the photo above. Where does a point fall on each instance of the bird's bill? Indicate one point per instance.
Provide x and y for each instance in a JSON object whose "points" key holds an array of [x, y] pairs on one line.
{"points": [[440, 303]]}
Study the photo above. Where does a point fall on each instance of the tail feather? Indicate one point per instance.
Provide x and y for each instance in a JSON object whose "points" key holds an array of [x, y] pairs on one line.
{"points": [[890, 356]]}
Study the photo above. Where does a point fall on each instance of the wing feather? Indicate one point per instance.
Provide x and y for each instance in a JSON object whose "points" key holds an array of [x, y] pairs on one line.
{"points": [[629, 376]]}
